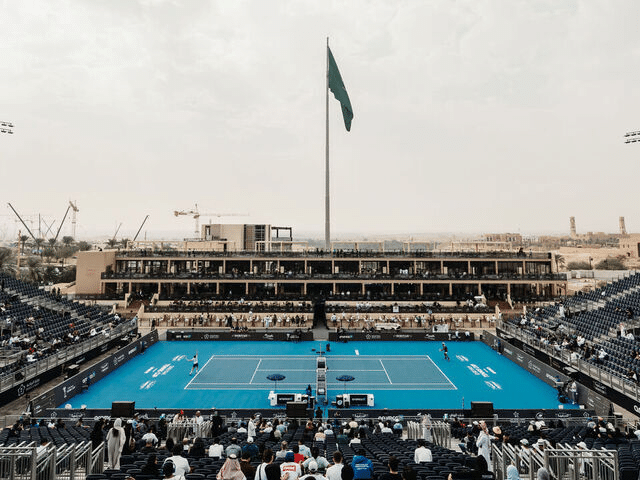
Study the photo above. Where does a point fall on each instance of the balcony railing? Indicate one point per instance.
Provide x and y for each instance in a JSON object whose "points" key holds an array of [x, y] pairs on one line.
{"points": [[315, 254], [356, 277]]}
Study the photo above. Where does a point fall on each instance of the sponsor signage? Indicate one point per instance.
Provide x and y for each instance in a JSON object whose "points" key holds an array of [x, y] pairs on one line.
{"points": [[199, 335], [514, 416], [395, 336]]}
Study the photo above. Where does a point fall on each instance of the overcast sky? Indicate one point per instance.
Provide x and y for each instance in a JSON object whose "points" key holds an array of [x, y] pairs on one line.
{"points": [[469, 116]]}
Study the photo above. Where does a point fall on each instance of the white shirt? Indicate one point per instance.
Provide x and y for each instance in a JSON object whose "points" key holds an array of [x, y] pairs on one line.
{"points": [[316, 476], [181, 463], [304, 450], [422, 454], [334, 472], [150, 436], [251, 429], [216, 450], [292, 469]]}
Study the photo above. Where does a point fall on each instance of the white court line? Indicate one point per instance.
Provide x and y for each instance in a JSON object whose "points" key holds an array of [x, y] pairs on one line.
{"points": [[442, 373], [255, 371], [385, 371], [386, 387], [328, 357], [198, 372], [291, 369], [359, 385], [314, 370]]}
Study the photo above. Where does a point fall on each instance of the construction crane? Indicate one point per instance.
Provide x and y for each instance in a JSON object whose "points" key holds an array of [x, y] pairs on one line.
{"points": [[113, 240], [74, 207], [196, 216], [142, 225]]}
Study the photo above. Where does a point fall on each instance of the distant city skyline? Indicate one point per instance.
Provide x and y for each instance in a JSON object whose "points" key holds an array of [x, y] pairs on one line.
{"points": [[469, 117]]}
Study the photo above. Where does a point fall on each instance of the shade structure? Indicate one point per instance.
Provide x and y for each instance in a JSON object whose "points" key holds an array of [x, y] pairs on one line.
{"points": [[345, 379], [276, 377]]}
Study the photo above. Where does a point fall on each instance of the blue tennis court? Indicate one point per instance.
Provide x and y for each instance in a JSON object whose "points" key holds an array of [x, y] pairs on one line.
{"points": [[386, 372], [401, 375]]}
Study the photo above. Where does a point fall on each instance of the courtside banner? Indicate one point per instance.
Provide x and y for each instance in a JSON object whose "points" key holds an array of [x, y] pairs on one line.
{"points": [[347, 336], [515, 416], [215, 335]]}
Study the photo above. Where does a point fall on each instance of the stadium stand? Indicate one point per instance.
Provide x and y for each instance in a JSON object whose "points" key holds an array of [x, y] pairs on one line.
{"points": [[376, 446], [588, 326], [36, 325]]}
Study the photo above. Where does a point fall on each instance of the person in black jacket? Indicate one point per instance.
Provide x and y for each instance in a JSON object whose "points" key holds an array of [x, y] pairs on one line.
{"points": [[197, 450], [97, 434], [151, 467]]}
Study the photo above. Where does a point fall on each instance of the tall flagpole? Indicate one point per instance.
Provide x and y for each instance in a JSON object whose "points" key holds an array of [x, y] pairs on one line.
{"points": [[327, 205]]}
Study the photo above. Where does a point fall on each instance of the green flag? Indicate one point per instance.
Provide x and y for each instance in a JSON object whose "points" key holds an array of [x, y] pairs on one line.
{"points": [[336, 85]]}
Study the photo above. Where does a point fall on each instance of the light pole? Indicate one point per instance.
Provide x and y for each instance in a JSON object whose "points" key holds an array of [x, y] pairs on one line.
{"points": [[6, 127]]}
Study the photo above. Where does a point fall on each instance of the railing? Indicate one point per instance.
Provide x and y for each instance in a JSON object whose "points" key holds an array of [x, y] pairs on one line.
{"points": [[355, 276], [620, 384], [564, 462], [97, 459], [65, 462], [32, 370], [68, 462], [440, 432], [17, 463], [575, 464], [188, 429], [314, 253]]}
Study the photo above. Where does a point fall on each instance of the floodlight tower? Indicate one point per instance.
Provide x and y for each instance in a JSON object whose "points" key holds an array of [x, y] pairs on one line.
{"points": [[6, 127], [632, 137]]}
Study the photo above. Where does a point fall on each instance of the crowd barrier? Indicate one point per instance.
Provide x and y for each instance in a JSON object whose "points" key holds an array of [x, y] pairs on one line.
{"points": [[565, 462], [190, 429], [66, 462]]}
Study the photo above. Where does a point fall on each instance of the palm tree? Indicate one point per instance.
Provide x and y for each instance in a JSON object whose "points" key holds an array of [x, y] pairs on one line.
{"points": [[39, 242], [34, 268], [7, 261], [67, 240], [560, 261], [112, 242], [23, 240]]}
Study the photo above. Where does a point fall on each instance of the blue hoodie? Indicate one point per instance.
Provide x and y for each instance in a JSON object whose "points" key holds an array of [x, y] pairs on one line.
{"points": [[362, 468]]}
